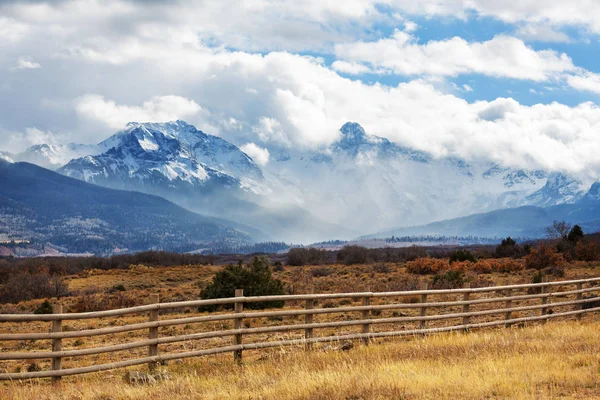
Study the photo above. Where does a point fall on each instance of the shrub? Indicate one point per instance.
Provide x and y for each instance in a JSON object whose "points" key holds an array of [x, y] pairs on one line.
{"points": [[278, 266], [318, 272], [508, 248], [119, 288], [425, 266], [543, 257], [306, 256], [44, 308], [587, 250], [255, 279], [448, 280], [28, 286], [104, 301], [351, 255], [575, 235], [381, 268], [482, 267], [462, 255]]}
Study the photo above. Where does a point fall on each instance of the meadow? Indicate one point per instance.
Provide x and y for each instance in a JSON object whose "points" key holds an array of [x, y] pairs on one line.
{"points": [[555, 360]]}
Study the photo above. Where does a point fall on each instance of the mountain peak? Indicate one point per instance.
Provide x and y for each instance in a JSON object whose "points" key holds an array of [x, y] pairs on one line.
{"points": [[353, 135], [353, 129]]}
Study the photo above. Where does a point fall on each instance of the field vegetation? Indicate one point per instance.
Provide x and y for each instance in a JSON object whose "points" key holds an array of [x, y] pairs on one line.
{"points": [[559, 359]]}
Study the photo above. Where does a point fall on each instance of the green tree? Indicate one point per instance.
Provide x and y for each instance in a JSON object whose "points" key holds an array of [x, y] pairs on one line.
{"points": [[462, 255], [575, 234], [255, 279]]}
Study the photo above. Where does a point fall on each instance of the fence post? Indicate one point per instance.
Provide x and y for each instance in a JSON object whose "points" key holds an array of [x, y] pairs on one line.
{"points": [[579, 297], [544, 299], [308, 319], [423, 286], [237, 324], [56, 343], [466, 307], [153, 331], [508, 305], [366, 301]]}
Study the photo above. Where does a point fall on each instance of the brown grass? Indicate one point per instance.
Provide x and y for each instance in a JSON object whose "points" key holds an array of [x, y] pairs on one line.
{"points": [[557, 360], [421, 368]]}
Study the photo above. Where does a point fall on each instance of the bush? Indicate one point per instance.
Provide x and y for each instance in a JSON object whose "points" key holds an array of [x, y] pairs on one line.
{"points": [[448, 280], [543, 257], [44, 308], [318, 272], [381, 268], [425, 266], [255, 279], [118, 288], [587, 250], [300, 256], [28, 286], [351, 255], [462, 255], [104, 301], [508, 248]]}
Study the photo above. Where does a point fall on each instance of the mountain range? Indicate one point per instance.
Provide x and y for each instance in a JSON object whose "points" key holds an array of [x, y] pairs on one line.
{"points": [[361, 183], [44, 206]]}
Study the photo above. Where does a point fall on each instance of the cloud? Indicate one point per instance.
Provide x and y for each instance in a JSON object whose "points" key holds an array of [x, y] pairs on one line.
{"points": [[542, 33], [11, 30], [231, 65], [156, 109], [27, 63], [350, 68], [502, 56], [258, 154], [587, 81], [16, 142]]}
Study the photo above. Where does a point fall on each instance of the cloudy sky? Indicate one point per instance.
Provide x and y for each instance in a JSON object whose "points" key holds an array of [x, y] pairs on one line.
{"points": [[512, 81]]}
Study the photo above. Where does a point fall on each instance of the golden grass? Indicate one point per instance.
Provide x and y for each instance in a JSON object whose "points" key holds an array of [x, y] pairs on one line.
{"points": [[556, 360]]}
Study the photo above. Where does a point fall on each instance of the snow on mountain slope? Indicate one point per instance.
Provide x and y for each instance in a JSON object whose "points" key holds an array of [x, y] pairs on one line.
{"points": [[361, 183], [367, 183], [171, 155]]}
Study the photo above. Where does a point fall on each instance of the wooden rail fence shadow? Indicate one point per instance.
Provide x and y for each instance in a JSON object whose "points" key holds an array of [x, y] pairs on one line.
{"points": [[570, 295]]}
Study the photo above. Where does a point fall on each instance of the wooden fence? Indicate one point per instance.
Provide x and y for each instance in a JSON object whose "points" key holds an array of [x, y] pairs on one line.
{"points": [[503, 301]]}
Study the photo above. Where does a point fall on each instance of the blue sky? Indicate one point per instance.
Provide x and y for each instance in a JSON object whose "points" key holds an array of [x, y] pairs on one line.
{"points": [[268, 74]]}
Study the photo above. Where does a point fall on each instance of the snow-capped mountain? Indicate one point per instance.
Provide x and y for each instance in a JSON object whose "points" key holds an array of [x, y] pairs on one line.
{"points": [[365, 182], [361, 183], [169, 156], [559, 189], [201, 172]]}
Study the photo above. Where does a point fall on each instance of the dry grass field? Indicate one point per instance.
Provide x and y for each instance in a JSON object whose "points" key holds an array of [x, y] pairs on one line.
{"points": [[556, 360]]}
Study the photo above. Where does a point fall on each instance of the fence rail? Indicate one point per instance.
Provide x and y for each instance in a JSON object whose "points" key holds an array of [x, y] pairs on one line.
{"points": [[466, 299]]}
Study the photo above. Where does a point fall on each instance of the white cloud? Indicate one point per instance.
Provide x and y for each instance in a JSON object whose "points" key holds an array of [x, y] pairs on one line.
{"points": [[128, 54], [350, 68], [11, 30], [16, 142], [258, 154], [410, 26], [542, 33], [157, 109], [502, 56], [27, 63], [587, 81], [467, 88]]}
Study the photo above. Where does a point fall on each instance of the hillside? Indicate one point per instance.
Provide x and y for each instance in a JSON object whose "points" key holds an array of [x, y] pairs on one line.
{"points": [[42, 205], [527, 221]]}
